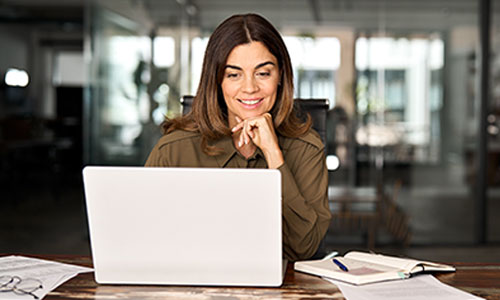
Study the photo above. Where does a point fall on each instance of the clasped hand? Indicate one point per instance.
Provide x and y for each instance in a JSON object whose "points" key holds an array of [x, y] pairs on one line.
{"points": [[260, 131]]}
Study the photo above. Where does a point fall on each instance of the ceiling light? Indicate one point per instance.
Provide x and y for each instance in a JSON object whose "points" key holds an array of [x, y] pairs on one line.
{"points": [[16, 77], [332, 162]]}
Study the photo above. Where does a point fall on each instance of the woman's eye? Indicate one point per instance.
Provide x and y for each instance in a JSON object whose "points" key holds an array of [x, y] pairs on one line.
{"points": [[264, 74], [232, 75]]}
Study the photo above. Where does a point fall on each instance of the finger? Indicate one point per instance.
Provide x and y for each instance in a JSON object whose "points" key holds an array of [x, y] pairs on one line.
{"points": [[251, 129], [247, 137], [247, 130], [237, 127], [242, 137]]}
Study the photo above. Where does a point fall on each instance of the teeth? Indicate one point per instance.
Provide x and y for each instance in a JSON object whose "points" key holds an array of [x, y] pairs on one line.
{"points": [[250, 102]]}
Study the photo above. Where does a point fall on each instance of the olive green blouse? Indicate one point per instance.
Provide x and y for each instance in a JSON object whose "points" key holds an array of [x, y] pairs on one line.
{"points": [[304, 177]]}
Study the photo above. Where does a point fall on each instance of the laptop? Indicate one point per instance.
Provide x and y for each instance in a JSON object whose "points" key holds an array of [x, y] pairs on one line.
{"points": [[185, 226]]}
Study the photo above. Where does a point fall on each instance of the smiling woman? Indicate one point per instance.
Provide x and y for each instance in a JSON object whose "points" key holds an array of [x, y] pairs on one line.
{"points": [[250, 81], [243, 117]]}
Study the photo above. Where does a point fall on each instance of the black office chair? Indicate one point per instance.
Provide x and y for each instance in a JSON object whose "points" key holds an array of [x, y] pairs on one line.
{"points": [[317, 108]]}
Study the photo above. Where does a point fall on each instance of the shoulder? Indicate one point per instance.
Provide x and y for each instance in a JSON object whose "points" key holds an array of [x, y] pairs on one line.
{"points": [[178, 137], [177, 148], [309, 140]]}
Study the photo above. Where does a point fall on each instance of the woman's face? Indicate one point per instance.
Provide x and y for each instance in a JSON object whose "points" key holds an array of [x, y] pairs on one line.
{"points": [[250, 83]]}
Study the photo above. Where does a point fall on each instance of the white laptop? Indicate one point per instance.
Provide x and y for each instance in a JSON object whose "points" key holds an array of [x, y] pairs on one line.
{"points": [[185, 226]]}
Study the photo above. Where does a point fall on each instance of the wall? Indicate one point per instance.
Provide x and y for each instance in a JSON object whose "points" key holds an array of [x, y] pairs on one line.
{"points": [[14, 41]]}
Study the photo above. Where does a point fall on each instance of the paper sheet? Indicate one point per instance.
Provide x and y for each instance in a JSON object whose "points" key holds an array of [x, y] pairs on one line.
{"points": [[421, 287], [50, 273]]}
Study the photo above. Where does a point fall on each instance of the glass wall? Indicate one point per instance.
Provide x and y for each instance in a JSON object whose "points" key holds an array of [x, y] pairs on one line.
{"points": [[315, 61], [399, 98], [401, 80], [118, 106]]}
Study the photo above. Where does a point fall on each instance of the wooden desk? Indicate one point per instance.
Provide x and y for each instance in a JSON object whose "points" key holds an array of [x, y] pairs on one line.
{"points": [[479, 279]]}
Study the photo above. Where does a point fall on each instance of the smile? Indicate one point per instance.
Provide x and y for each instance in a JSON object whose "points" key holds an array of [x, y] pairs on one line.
{"points": [[250, 101]]}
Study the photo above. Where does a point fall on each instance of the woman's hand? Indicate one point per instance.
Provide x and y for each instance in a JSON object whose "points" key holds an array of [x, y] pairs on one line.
{"points": [[260, 131]]}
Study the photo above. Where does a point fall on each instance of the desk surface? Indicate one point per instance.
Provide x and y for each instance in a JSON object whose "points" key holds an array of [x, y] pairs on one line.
{"points": [[479, 279]]}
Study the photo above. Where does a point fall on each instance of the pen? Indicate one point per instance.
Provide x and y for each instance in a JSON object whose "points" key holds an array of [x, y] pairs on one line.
{"points": [[340, 265], [330, 255]]}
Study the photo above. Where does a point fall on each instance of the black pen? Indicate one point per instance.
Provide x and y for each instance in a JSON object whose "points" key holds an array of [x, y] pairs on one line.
{"points": [[340, 265]]}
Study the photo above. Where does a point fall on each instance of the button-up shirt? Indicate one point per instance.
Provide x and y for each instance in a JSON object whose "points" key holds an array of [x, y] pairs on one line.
{"points": [[304, 179]]}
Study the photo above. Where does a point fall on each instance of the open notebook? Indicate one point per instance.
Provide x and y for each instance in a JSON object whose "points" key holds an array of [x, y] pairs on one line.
{"points": [[362, 268], [185, 226]]}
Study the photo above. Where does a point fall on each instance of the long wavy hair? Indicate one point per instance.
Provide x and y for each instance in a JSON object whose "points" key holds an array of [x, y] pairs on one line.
{"points": [[209, 111]]}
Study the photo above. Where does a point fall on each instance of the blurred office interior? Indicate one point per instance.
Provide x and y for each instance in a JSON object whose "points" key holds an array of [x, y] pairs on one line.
{"points": [[413, 130]]}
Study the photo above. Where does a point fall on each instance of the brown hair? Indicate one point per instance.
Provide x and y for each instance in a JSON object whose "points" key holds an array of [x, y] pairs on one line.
{"points": [[209, 112]]}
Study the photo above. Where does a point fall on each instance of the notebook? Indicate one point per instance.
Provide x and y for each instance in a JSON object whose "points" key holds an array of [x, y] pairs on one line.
{"points": [[361, 268], [185, 226]]}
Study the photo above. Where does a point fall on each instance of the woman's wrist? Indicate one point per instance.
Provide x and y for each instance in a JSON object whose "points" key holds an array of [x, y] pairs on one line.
{"points": [[274, 158]]}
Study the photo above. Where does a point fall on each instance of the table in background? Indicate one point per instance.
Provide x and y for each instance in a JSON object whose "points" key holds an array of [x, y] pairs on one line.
{"points": [[366, 210], [355, 210], [479, 279]]}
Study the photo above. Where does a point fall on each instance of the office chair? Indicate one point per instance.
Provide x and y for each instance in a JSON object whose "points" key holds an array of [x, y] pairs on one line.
{"points": [[317, 108]]}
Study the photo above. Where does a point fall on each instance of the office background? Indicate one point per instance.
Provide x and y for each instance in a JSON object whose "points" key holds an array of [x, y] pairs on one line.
{"points": [[413, 134]]}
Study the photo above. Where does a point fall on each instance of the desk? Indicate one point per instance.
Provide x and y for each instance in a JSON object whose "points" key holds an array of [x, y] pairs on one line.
{"points": [[479, 279]]}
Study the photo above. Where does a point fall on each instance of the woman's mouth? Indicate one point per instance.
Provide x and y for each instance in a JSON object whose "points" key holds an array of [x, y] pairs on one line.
{"points": [[250, 101]]}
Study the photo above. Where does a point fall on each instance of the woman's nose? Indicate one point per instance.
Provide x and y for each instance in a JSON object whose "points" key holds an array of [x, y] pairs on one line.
{"points": [[250, 85]]}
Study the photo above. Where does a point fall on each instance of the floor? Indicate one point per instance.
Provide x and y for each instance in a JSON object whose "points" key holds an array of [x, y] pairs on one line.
{"points": [[40, 218]]}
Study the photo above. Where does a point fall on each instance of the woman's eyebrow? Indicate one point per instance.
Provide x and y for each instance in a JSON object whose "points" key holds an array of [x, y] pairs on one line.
{"points": [[257, 67], [264, 64], [233, 67]]}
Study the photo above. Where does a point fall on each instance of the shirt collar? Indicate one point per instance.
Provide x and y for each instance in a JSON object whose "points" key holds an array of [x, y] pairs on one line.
{"points": [[229, 150]]}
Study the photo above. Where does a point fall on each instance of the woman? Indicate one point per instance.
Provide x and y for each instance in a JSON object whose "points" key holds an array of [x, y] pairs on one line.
{"points": [[243, 117]]}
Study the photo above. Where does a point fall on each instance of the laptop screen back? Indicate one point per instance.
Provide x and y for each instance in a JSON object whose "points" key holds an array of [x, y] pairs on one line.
{"points": [[187, 226]]}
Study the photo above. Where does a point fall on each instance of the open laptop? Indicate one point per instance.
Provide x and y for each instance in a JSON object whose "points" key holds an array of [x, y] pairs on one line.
{"points": [[185, 226]]}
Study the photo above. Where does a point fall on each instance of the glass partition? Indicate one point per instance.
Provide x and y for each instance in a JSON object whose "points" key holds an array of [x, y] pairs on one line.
{"points": [[399, 99], [118, 111], [315, 61]]}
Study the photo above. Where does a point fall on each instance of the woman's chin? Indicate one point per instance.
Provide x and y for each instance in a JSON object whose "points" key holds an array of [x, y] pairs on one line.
{"points": [[250, 114]]}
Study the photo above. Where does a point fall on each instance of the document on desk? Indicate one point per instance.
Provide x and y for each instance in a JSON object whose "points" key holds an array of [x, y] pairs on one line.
{"points": [[50, 273], [421, 287]]}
